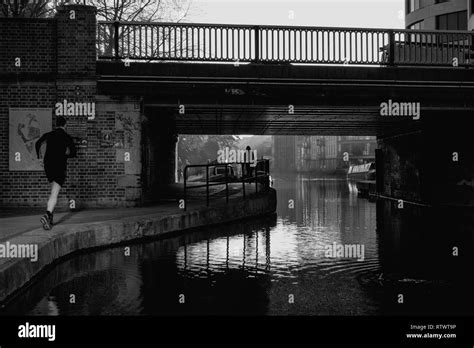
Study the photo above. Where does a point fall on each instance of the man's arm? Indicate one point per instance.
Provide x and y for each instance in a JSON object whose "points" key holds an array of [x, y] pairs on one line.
{"points": [[39, 142], [72, 147]]}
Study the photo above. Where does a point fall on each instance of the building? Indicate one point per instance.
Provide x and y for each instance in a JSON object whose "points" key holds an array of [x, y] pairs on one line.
{"points": [[321, 154], [355, 150], [317, 154], [283, 153], [439, 14]]}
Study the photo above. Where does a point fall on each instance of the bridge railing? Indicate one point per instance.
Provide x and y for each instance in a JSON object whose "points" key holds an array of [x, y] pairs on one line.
{"points": [[417, 47], [277, 44]]}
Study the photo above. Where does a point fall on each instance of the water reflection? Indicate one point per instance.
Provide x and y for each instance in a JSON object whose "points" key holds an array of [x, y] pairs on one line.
{"points": [[260, 266], [426, 254]]}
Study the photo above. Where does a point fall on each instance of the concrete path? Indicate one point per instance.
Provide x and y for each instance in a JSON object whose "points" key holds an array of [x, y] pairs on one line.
{"points": [[81, 230], [14, 222], [15, 226]]}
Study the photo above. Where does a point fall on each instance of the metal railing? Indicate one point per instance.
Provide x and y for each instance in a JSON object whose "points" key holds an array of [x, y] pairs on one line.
{"points": [[275, 44], [261, 174]]}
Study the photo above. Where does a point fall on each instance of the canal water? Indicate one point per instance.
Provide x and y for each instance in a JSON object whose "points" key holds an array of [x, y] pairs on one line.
{"points": [[325, 252]]}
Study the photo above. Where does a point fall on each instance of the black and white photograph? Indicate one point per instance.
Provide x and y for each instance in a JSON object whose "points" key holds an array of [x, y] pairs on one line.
{"points": [[236, 172]]}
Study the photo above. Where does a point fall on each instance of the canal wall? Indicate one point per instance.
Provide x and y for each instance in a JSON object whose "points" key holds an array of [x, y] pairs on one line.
{"points": [[64, 240]]}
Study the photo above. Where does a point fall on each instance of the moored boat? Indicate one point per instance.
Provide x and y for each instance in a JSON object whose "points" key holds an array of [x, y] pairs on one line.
{"points": [[364, 171]]}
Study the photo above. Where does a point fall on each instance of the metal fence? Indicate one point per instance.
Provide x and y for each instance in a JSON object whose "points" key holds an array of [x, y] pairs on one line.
{"points": [[260, 174], [277, 44]]}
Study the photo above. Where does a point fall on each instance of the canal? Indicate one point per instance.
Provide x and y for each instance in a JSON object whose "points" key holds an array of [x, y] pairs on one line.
{"points": [[324, 252]]}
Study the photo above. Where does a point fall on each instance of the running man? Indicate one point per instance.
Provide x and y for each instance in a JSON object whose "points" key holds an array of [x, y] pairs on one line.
{"points": [[59, 147]]}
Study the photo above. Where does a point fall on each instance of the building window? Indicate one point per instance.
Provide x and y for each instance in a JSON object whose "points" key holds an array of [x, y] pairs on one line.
{"points": [[441, 1], [413, 5], [452, 21], [417, 26]]}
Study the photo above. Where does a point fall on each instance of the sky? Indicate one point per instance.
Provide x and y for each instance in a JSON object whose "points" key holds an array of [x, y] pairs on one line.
{"points": [[318, 13]]}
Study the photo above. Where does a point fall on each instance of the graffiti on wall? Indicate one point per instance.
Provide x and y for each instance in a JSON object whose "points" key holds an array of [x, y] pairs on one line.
{"points": [[130, 124], [26, 126], [128, 132]]}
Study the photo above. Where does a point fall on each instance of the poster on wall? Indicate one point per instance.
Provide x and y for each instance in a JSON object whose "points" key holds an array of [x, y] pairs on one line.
{"points": [[26, 126]]}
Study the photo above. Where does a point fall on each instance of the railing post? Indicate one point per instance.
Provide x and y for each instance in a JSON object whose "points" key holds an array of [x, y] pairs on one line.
{"points": [[207, 185], [256, 178], [391, 48], [226, 185], [470, 56], [116, 39], [243, 179], [257, 43], [267, 174], [185, 201]]}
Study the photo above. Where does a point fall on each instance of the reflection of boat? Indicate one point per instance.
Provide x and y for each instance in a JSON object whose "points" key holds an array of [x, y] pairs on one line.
{"points": [[366, 187], [362, 171], [352, 187]]}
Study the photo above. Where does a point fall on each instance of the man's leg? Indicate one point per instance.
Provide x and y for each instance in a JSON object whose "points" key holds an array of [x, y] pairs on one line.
{"points": [[47, 219], [53, 198]]}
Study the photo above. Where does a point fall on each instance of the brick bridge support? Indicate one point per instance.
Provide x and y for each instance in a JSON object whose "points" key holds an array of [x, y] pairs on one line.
{"points": [[46, 61], [433, 165]]}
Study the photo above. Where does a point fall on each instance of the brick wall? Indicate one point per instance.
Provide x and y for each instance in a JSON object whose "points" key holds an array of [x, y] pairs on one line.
{"points": [[21, 187], [76, 40], [58, 59], [402, 161], [32, 40]]}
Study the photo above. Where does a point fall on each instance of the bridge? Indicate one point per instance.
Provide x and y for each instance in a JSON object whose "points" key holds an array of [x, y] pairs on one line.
{"points": [[244, 79], [152, 81]]}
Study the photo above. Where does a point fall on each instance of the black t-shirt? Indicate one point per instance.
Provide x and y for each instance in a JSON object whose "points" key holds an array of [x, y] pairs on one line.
{"points": [[57, 142]]}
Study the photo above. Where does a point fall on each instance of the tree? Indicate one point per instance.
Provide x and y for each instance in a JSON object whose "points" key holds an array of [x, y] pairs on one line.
{"points": [[141, 10], [107, 10], [198, 149], [140, 40], [135, 40], [25, 8]]}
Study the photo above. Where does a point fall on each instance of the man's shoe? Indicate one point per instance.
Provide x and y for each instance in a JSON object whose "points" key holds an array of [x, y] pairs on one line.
{"points": [[46, 222]]}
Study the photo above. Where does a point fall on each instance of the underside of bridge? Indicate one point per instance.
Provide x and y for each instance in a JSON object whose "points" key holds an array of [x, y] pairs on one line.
{"points": [[287, 99], [422, 158]]}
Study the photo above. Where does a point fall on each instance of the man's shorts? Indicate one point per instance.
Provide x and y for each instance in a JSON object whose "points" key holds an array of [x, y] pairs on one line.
{"points": [[57, 175]]}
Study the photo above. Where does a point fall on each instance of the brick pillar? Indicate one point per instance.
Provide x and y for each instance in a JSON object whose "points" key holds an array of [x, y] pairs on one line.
{"points": [[76, 40], [159, 139], [76, 82]]}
